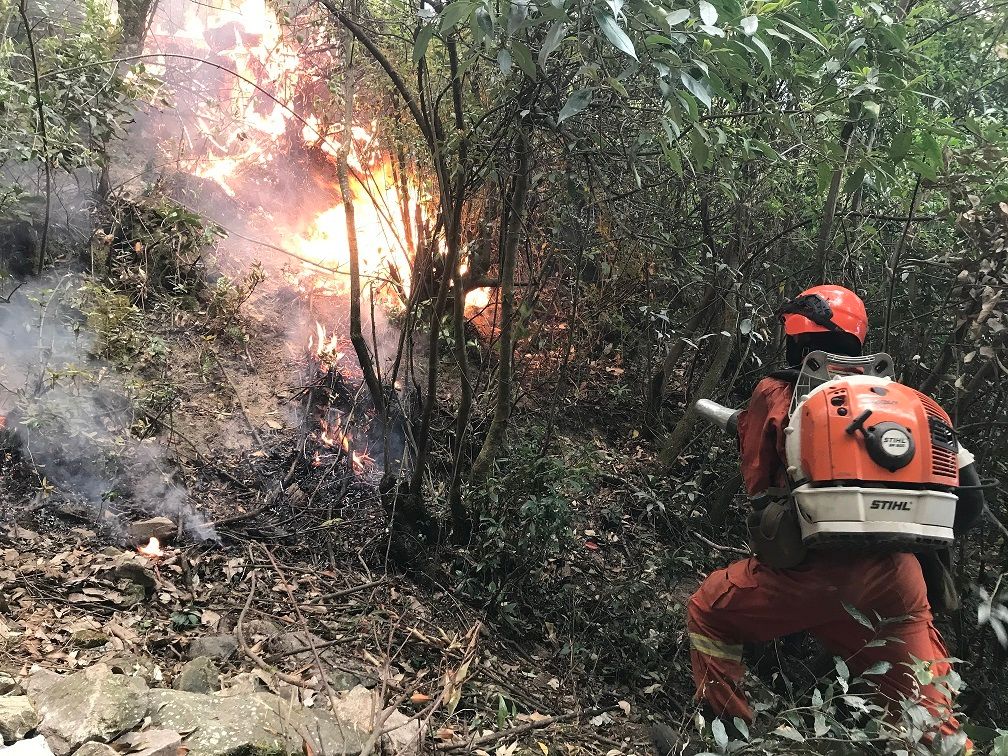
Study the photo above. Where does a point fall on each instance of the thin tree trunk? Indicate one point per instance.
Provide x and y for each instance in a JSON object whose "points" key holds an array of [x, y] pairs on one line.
{"points": [[658, 388], [832, 198], [360, 346], [494, 440], [43, 135]]}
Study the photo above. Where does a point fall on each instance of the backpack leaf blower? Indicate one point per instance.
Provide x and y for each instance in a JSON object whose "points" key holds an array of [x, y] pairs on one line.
{"points": [[871, 462]]}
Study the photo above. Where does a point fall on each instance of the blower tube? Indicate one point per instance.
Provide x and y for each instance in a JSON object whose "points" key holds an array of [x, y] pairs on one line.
{"points": [[723, 417]]}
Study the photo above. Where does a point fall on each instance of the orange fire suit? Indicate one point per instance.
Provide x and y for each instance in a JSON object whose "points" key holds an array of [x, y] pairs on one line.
{"points": [[750, 602]]}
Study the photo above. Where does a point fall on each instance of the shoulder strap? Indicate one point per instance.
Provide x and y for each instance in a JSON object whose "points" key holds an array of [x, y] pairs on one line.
{"points": [[789, 375]]}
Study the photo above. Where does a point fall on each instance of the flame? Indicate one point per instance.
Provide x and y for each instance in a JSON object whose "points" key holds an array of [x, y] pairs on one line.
{"points": [[324, 348], [152, 549], [478, 299], [335, 437], [249, 119]]}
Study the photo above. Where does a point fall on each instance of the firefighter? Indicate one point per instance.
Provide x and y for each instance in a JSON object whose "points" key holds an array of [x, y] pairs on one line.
{"points": [[752, 602]]}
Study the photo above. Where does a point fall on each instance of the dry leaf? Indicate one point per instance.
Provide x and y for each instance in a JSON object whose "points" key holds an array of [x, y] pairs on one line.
{"points": [[419, 698], [445, 733], [625, 705]]}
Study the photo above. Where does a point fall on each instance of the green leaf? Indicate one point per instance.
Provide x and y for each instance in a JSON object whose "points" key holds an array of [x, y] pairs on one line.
{"points": [[523, 57], [843, 673], [807, 35], [901, 145], [872, 108], [855, 180], [932, 151], [708, 13], [830, 8], [749, 25], [577, 102], [553, 39], [617, 85], [453, 13], [789, 732], [720, 734], [616, 36], [858, 616], [423, 39], [699, 89], [742, 727], [504, 60], [878, 668], [824, 172], [761, 46], [676, 17]]}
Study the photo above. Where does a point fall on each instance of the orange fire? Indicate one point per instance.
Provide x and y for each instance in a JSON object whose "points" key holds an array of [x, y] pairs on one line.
{"points": [[152, 549], [256, 115], [335, 437], [324, 347]]}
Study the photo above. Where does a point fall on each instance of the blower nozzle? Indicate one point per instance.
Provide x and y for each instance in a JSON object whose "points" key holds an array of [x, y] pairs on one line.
{"points": [[723, 417]]}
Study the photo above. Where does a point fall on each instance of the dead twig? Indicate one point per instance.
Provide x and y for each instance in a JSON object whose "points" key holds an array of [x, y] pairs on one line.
{"points": [[703, 539], [252, 655], [522, 729], [271, 497]]}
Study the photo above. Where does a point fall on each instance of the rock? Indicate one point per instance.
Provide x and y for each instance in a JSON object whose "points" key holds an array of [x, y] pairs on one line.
{"points": [[17, 718], [36, 746], [243, 683], [89, 638], [198, 676], [131, 665], [40, 680], [360, 707], [10, 686], [137, 574], [161, 528], [149, 743], [254, 724], [219, 647], [93, 704], [96, 749]]}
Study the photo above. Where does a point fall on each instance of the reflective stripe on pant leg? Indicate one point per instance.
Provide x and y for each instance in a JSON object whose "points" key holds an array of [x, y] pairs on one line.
{"points": [[713, 647]]}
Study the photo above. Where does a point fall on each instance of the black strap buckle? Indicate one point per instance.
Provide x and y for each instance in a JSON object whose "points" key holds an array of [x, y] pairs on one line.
{"points": [[813, 307]]}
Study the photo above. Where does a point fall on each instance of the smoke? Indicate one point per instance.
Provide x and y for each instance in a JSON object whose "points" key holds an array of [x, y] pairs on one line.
{"points": [[72, 414]]}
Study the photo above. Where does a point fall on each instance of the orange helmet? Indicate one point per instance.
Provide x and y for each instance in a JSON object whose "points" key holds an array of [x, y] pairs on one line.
{"points": [[824, 309]]}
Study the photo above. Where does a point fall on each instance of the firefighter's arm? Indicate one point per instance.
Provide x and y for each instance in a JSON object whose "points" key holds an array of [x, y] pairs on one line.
{"points": [[970, 506], [758, 429]]}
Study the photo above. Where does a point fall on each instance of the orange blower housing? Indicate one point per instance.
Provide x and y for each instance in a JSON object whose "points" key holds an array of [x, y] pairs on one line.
{"points": [[872, 462]]}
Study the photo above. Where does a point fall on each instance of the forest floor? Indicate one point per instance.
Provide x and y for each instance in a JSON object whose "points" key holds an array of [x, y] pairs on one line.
{"points": [[284, 556]]}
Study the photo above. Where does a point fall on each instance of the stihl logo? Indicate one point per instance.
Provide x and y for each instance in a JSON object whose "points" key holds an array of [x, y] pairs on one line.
{"points": [[890, 504]]}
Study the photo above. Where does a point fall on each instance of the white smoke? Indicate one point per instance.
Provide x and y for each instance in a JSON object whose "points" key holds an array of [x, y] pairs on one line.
{"points": [[72, 414]]}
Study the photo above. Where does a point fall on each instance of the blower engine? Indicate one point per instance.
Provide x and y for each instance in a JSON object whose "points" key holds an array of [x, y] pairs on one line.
{"points": [[872, 462]]}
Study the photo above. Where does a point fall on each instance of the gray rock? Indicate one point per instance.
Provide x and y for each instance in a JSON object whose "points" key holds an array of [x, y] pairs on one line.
{"points": [[17, 718], [361, 707], [89, 638], [36, 746], [93, 704], [219, 647], [9, 685], [253, 724], [136, 573], [149, 743], [95, 749], [161, 528], [198, 676]]}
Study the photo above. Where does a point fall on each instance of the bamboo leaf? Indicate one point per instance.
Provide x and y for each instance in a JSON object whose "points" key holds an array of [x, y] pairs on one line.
{"points": [[553, 39], [577, 102], [616, 35], [708, 13]]}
